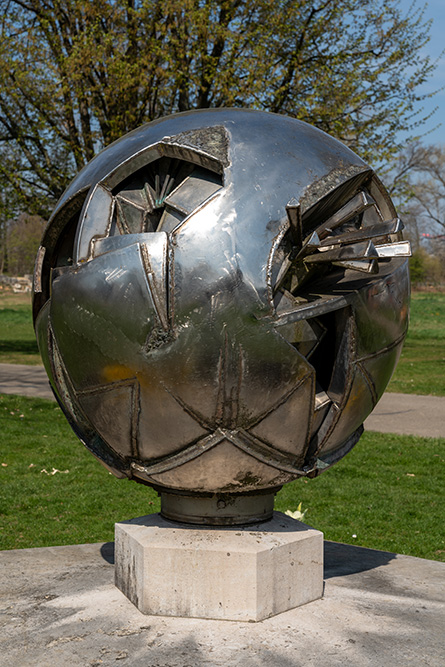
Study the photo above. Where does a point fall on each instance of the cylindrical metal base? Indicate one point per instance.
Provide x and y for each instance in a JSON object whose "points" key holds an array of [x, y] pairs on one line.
{"points": [[220, 509]]}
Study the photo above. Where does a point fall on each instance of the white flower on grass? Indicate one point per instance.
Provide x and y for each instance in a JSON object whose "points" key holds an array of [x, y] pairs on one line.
{"points": [[298, 514]]}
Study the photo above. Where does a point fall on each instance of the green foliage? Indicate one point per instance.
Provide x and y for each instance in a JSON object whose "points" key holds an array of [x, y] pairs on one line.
{"points": [[388, 491], [421, 368], [417, 269], [426, 269], [75, 74]]}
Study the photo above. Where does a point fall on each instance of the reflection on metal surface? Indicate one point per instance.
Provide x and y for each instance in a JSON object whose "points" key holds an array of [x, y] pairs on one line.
{"points": [[221, 299]]}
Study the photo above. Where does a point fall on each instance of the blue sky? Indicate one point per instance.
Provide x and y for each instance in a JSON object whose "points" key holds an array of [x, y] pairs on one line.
{"points": [[435, 10]]}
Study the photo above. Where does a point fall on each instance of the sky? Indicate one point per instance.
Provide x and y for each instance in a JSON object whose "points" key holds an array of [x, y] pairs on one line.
{"points": [[435, 10]]}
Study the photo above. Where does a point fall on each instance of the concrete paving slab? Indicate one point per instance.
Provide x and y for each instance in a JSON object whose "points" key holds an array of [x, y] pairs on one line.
{"points": [[60, 607], [25, 381], [409, 414]]}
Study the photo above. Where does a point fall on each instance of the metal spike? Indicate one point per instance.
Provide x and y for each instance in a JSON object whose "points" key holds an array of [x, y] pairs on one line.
{"points": [[296, 227], [150, 196], [353, 207], [284, 268], [164, 189], [156, 189], [373, 231], [400, 249], [344, 253], [365, 266], [311, 243]]}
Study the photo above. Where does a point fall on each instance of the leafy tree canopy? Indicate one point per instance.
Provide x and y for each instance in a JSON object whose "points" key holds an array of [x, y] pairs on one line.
{"points": [[77, 74]]}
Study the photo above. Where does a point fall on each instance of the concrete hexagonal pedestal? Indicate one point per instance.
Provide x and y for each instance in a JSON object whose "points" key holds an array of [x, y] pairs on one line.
{"points": [[241, 573]]}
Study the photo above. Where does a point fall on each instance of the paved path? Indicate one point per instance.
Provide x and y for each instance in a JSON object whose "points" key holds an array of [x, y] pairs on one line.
{"points": [[24, 381], [406, 414], [409, 414], [60, 607]]}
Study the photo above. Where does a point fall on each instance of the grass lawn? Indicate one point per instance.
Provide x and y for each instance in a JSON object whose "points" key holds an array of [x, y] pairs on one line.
{"points": [[17, 340], [421, 368], [386, 494]]}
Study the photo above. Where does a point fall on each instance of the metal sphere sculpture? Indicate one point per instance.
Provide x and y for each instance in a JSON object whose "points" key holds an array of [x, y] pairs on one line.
{"points": [[220, 299]]}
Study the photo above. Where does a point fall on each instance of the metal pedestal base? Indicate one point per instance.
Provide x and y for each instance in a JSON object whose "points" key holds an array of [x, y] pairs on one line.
{"points": [[218, 509]]}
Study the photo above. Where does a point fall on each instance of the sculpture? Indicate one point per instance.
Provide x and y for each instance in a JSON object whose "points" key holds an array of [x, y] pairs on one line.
{"points": [[220, 299]]}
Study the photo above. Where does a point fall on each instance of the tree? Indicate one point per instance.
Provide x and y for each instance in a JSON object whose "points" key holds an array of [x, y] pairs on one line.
{"points": [[24, 236], [417, 184], [76, 74], [8, 210], [428, 190], [428, 201]]}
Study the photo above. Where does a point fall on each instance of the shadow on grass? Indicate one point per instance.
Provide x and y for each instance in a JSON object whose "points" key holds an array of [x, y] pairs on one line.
{"points": [[19, 346]]}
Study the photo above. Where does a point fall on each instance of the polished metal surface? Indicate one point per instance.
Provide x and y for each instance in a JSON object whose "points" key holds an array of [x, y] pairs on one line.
{"points": [[218, 509], [220, 299]]}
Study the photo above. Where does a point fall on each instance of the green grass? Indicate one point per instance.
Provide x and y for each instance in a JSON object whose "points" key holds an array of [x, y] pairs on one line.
{"points": [[421, 369], [39, 509], [388, 491], [17, 340]]}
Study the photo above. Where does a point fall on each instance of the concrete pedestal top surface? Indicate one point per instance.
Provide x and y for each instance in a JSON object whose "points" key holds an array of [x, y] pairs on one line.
{"points": [[60, 607]]}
